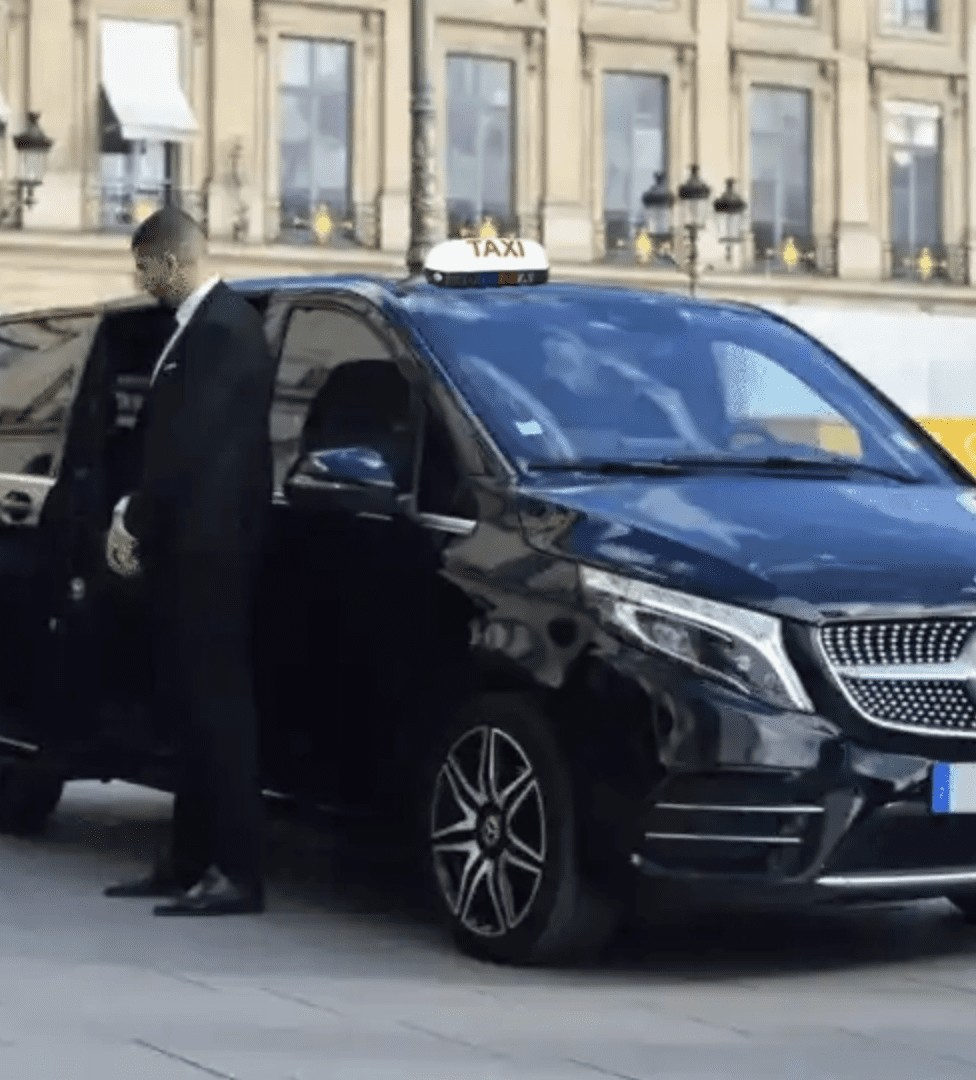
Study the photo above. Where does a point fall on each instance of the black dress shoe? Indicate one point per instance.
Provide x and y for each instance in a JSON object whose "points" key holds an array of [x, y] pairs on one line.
{"points": [[153, 886], [214, 894]]}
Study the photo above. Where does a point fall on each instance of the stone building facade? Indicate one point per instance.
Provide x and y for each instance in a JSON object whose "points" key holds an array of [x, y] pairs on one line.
{"points": [[846, 125]]}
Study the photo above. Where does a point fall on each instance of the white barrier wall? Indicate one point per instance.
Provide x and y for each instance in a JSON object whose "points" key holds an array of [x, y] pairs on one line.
{"points": [[926, 363]]}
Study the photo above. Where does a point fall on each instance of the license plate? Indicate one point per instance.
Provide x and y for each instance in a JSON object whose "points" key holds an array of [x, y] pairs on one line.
{"points": [[954, 788]]}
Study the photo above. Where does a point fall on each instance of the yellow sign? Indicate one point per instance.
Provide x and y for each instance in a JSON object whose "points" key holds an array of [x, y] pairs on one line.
{"points": [[322, 224], [142, 209], [926, 264], [791, 254], [487, 231], [643, 246], [955, 434]]}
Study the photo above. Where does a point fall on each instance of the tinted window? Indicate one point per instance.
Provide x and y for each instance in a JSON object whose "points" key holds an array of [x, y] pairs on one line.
{"points": [[480, 143], [315, 144], [317, 340], [780, 148], [41, 360], [634, 149], [604, 374]]}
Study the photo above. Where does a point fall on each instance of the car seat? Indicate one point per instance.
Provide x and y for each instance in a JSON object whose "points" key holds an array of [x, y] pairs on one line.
{"points": [[364, 403]]}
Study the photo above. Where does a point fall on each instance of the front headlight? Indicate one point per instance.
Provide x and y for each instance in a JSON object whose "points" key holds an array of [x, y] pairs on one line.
{"points": [[739, 647]]}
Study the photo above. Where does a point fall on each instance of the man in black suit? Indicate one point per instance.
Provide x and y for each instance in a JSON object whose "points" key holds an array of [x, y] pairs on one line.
{"points": [[195, 528]]}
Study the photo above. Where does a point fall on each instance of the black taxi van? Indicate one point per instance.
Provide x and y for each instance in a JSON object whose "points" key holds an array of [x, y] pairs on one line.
{"points": [[606, 587]]}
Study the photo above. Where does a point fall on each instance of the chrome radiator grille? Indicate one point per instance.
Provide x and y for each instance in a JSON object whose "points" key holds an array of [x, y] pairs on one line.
{"points": [[913, 674]]}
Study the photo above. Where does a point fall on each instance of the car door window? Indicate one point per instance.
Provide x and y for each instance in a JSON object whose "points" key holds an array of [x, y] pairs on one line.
{"points": [[41, 360], [442, 487], [317, 341]]}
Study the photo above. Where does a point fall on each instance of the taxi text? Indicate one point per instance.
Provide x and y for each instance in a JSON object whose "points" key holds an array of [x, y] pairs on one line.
{"points": [[514, 249]]}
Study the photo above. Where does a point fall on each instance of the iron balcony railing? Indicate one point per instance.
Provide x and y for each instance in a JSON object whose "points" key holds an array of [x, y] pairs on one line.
{"points": [[120, 207], [626, 240], [463, 226], [326, 225], [937, 263], [792, 254]]}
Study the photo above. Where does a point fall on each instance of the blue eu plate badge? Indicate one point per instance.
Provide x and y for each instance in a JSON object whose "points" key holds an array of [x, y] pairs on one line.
{"points": [[954, 788]]}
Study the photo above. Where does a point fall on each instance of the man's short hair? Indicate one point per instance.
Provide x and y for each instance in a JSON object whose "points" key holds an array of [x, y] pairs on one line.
{"points": [[170, 231]]}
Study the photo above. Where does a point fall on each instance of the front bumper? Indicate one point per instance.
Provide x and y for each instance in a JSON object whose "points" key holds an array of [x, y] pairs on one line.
{"points": [[759, 805]]}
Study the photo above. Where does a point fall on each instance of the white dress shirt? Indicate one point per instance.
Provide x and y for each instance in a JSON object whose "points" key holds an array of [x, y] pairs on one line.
{"points": [[184, 313]]}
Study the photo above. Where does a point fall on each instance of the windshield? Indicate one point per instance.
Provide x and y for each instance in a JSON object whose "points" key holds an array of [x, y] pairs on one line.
{"points": [[599, 375]]}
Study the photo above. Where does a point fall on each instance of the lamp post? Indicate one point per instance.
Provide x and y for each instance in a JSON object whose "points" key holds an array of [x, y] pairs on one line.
{"points": [[730, 209], [424, 225], [692, 199], [32, 147]]}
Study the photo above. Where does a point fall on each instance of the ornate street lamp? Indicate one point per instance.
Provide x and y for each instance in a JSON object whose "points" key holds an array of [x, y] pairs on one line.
{"points": [[32, 147], [659, 205], [730, 209], [693, 202], [693, 196]]}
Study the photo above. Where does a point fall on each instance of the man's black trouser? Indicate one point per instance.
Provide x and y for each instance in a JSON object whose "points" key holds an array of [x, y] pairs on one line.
{"points": [[201, 611]]}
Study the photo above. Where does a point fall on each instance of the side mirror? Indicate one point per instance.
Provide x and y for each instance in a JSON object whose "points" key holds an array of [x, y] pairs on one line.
{"points": [[354, 479]]}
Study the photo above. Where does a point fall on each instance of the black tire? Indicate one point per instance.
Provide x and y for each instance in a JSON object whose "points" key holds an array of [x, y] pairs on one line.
{"points": [[29, 794], [562, 918]]}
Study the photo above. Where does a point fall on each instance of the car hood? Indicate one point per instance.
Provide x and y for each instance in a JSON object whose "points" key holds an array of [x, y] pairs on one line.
{"points": [[803, 547]]}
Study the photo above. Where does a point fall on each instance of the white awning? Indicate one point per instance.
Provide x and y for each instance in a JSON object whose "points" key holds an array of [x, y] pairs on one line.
{"points": [[141, 79]]}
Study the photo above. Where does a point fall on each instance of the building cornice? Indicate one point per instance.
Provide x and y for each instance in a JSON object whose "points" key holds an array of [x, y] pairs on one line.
{"points": [[103, 254]]}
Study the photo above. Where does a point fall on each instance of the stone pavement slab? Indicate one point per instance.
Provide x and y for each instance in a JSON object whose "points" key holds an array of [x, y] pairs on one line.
{"points": [[347, 978]]}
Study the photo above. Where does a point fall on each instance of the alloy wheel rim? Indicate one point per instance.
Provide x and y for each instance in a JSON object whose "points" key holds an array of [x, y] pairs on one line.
{"points": [[488, 832]]}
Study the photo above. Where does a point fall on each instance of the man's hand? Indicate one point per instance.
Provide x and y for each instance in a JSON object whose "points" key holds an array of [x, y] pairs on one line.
{"points": [[122, 548]]}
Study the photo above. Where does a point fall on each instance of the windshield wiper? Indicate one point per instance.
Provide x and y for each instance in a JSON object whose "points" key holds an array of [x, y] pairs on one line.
{"points": [[784, 463], [611, 468], [671, 466]]}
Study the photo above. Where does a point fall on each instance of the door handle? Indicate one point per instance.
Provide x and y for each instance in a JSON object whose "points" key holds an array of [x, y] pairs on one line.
{"points": [[16, 506]]}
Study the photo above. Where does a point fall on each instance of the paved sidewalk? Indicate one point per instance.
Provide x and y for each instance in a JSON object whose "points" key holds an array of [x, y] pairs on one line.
{"points": [[345, 979]]}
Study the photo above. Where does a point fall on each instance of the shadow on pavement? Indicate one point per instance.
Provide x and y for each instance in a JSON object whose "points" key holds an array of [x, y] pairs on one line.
{"points": [[343, 871]]}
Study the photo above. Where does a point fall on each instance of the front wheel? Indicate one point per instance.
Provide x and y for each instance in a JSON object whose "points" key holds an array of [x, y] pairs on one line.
{"points": [[501, 840], [29, 794]]}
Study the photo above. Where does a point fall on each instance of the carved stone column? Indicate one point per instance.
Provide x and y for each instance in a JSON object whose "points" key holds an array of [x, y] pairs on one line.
{"points": [[232, 92], [859, 251], [52, 82], [366, 193], [86, 129], [567, 217], [530, 216], [262, 184]]}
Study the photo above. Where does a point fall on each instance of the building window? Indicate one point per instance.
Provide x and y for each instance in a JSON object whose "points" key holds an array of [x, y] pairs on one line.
{"points": [[634, 149], [781, 7], [480, 145], [144, 117], [779, 140], [315, 147], [912, 14], [913, 134]]}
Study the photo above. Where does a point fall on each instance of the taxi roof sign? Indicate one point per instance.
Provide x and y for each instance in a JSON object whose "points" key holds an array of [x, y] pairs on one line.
{"points": [[487, 262]]}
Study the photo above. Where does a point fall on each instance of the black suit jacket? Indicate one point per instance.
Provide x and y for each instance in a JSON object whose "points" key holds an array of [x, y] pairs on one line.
{"points": [[206, 481]]}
